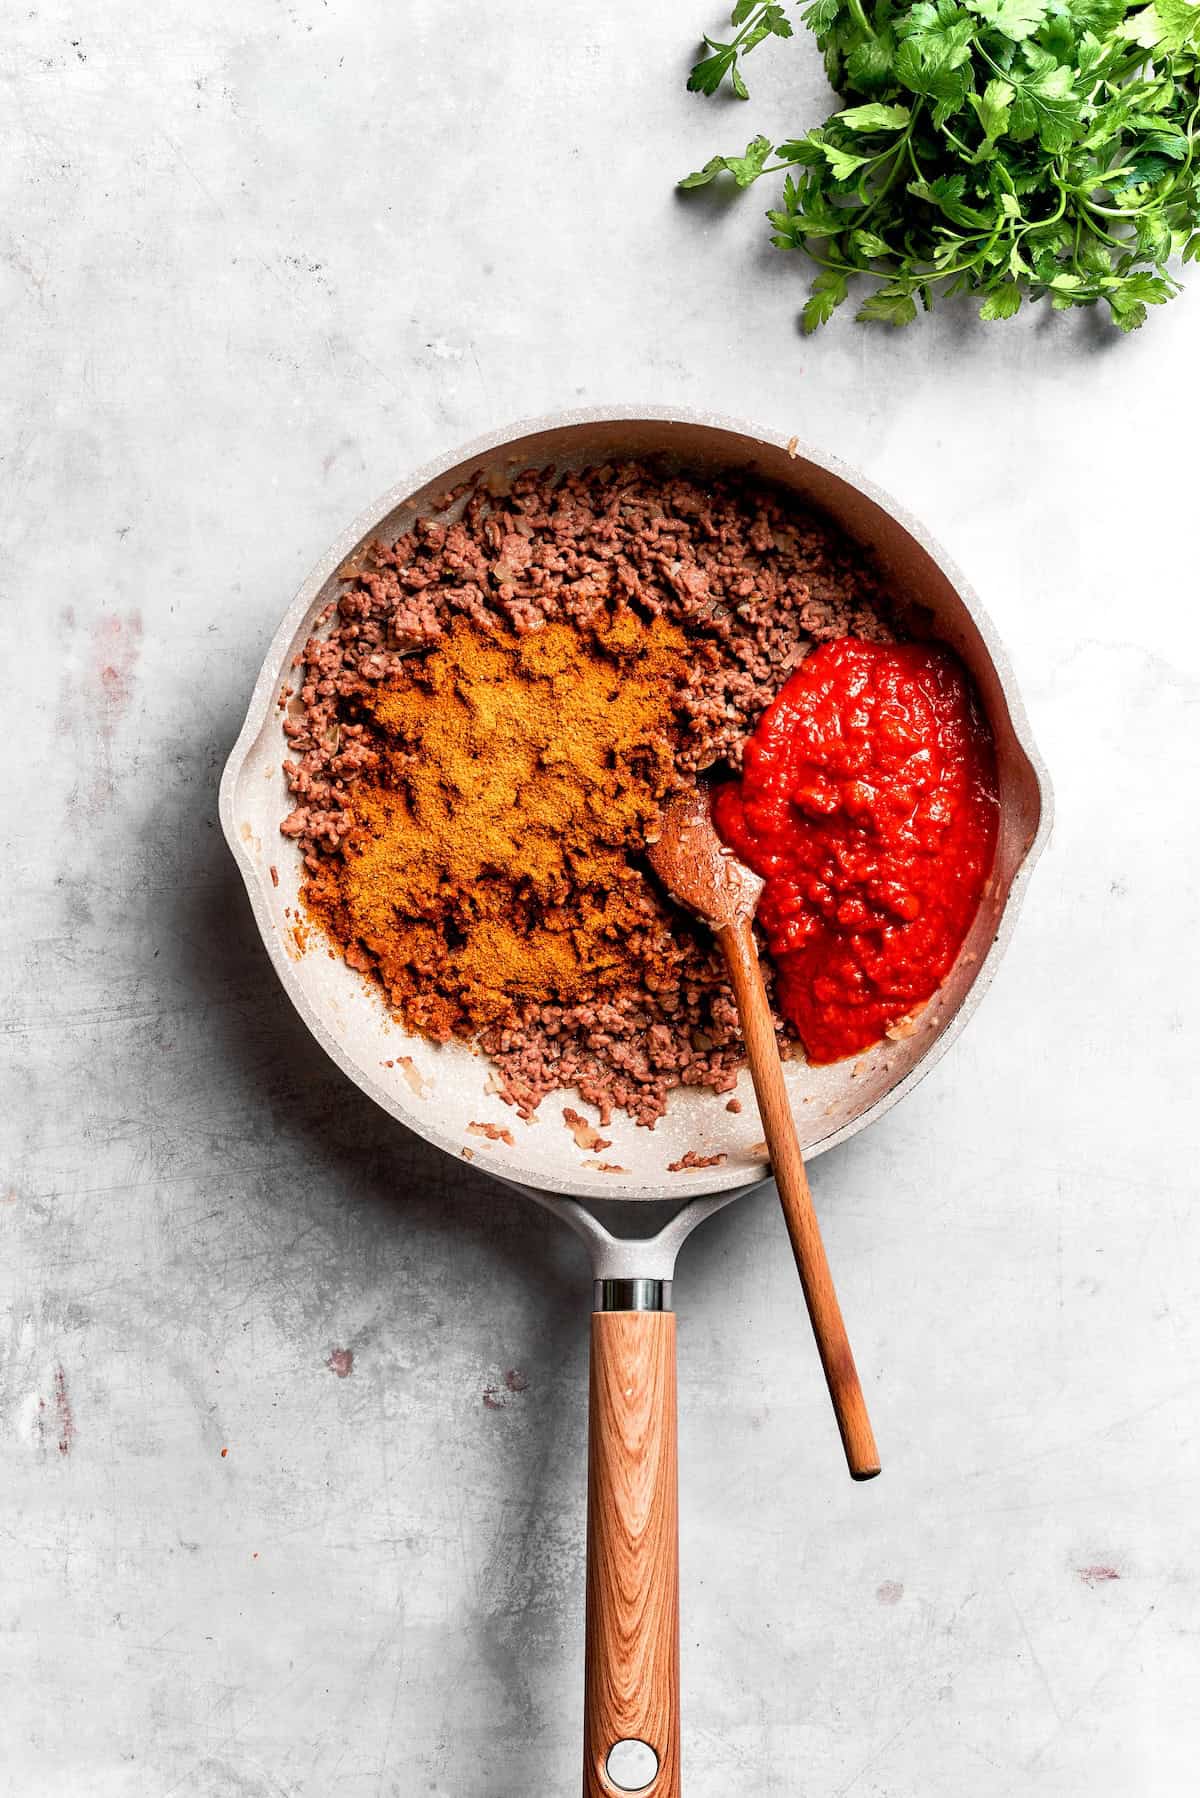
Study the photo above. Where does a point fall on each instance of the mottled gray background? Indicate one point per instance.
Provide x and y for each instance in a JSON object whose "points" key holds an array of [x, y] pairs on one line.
{"points": [[257, 257]]}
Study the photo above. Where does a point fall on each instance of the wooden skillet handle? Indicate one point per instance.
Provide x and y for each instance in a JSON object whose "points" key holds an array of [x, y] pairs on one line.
{"points": [[787, 1165], [631, 1676]]}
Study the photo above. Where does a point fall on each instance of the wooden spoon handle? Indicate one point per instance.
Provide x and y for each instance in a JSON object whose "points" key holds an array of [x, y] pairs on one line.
{"points": [[631, 1676], [787, 1164]]}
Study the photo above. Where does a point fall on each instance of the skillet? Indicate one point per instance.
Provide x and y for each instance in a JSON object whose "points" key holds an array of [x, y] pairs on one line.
{"points": [[631, 1722]]}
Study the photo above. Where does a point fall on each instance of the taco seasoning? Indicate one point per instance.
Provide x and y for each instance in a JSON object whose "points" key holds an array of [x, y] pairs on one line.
{"points": [[488, 861]]}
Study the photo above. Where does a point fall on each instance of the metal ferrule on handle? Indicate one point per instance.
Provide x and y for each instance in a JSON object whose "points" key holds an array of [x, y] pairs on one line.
{"points": [[631, 1295]]}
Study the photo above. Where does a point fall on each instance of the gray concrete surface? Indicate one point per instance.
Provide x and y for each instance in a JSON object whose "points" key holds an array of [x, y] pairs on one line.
{"points": [[272, 1520]]}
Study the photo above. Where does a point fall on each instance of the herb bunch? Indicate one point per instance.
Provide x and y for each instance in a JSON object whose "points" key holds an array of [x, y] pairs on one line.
{"points": [[1014, 149]]}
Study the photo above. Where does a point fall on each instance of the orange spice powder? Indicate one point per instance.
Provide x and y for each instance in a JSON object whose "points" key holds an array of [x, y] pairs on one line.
{"points": [[489, 860]]}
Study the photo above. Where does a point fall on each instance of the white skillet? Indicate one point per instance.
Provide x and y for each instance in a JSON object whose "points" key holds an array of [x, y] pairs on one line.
{"points": [[631, 1725]]}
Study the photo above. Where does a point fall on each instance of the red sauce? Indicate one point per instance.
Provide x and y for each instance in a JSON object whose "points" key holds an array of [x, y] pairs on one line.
{"points": [[868, 802]]}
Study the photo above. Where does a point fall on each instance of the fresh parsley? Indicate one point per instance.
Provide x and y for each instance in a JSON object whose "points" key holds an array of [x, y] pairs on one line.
{"points": [[1018, 150], [757, 22]]}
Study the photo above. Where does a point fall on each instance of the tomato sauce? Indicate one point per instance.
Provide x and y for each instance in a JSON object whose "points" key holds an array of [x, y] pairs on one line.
{"points": [[868, 802]]}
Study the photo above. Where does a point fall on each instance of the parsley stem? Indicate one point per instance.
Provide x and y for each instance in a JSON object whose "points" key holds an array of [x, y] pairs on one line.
{"points": [[1119, 212], [1099, 231], [897, 154], [1044, 224], [747, 28], [958, 143], [918, 171], [860, 17], [841, 268]]}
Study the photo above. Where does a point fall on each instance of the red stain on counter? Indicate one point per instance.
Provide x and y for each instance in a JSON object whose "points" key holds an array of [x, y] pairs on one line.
{"points": [[891, 1592], [1097, 1576], [341, 1362], [868, 803], [116, 645], [66, 1417], [96, 689], [496, 1398]]}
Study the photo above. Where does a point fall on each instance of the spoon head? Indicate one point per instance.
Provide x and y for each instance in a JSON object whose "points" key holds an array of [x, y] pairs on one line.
{"points": [[697, 868]]}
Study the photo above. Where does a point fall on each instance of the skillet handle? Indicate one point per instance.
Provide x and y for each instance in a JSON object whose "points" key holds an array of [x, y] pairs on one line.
{"points": [[631, 1675]]}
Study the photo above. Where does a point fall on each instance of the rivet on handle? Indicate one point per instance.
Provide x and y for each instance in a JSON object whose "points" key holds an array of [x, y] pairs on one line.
{"points": [[631, 1765]]}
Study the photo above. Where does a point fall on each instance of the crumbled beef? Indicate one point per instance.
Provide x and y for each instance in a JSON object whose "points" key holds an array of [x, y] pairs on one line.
{"points": [[752, 578]]}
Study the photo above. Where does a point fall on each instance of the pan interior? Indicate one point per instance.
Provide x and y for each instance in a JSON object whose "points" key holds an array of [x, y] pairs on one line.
{"points": [[446, 1092]]}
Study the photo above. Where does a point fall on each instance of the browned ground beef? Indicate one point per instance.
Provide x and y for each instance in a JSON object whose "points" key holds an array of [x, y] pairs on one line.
{"points": [[752, 579]]}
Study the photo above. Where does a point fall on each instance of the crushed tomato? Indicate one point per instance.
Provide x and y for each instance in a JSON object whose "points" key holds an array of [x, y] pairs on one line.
{"points": [[868, 802]]}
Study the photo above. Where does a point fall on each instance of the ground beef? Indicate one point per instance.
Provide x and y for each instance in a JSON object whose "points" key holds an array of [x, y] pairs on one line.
{"points": [[753, 580]]}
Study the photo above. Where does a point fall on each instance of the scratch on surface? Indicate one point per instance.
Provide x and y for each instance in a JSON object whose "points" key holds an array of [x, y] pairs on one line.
{"points": [[875, 1756], [31, 1421], [208, 1759], [16, 259], [1033, 1653], [479, 371], [1070, 1444], [272, 272], [1110, 1666]]}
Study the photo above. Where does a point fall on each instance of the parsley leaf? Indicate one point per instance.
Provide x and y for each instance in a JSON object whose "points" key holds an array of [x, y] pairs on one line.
{"points": [[875, 117], [1016, 19], [888, 306], [758, 21], [744, 169], [992, 108], [1003, 301], [828, 291]]}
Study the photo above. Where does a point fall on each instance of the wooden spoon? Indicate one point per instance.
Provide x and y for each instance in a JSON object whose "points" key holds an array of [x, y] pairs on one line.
{"points": [[703, 874]]}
